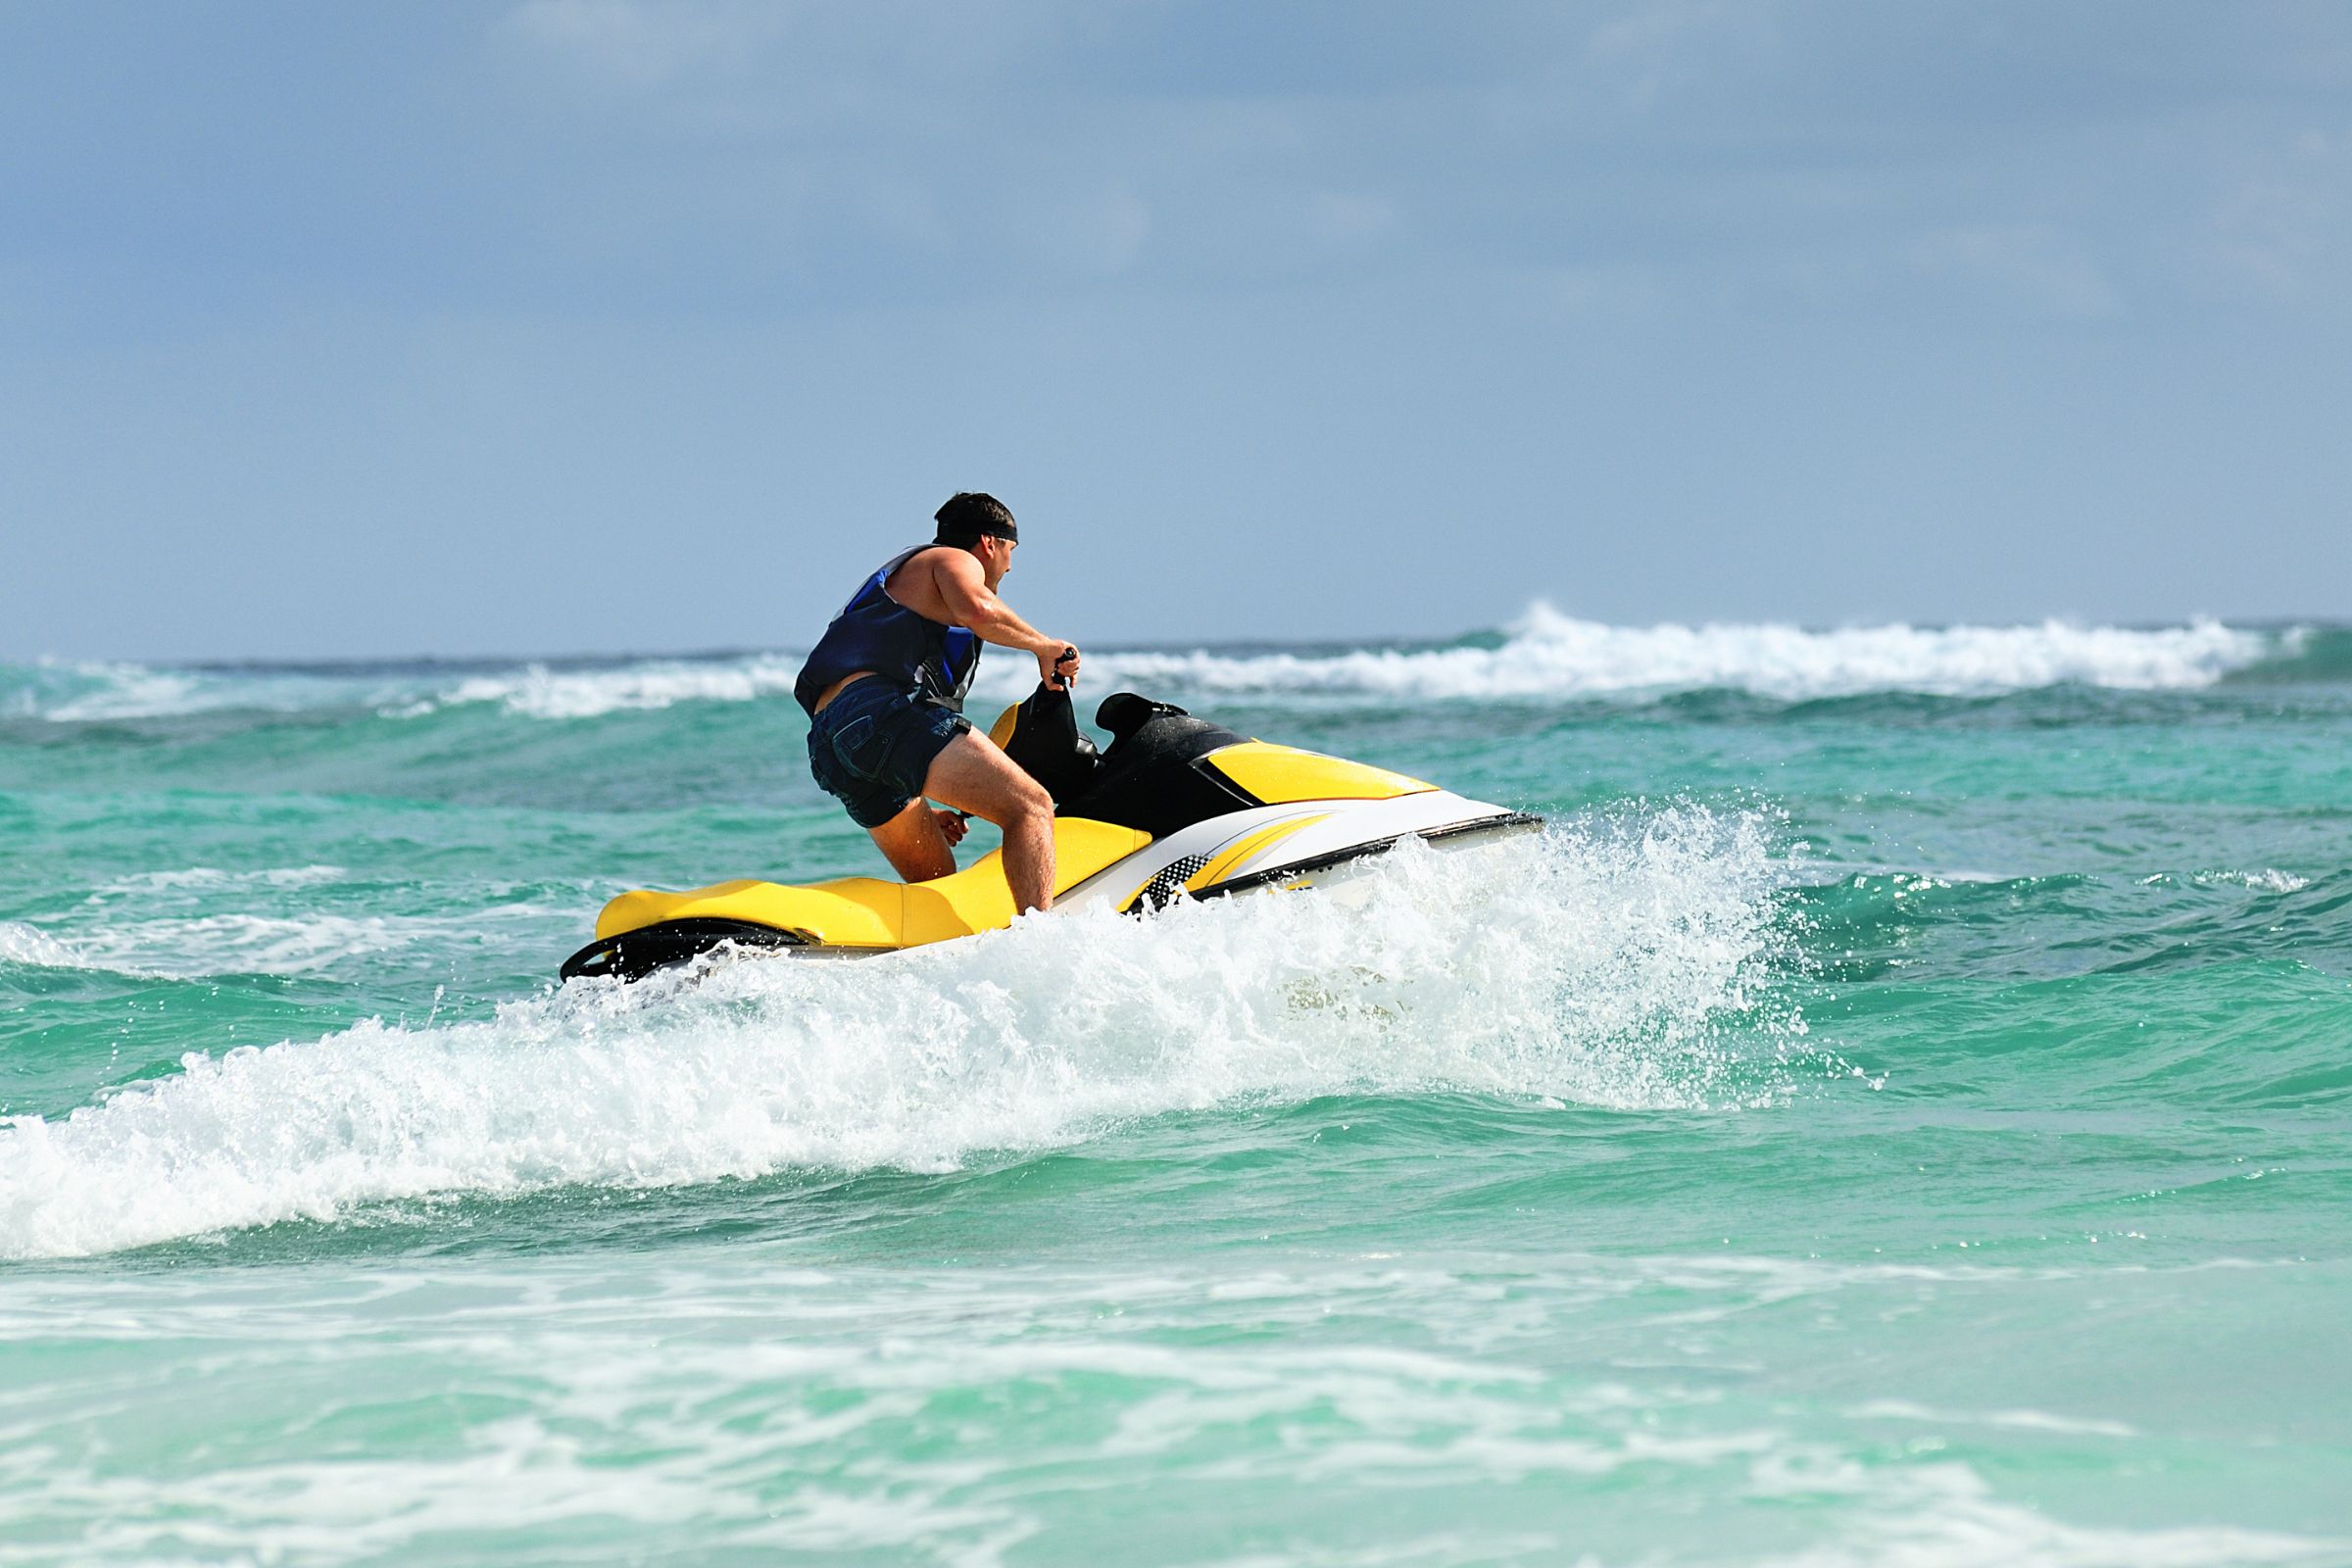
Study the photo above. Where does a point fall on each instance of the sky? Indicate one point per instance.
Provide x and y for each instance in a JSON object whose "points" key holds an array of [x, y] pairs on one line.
{"points": [[607, 325]]}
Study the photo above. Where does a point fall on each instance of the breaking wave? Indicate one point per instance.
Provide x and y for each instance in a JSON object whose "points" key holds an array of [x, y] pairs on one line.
{"points": [[539, 691], [1542, 655], [70, 691], [1627, 963], [210, 945], [1551, 655]]}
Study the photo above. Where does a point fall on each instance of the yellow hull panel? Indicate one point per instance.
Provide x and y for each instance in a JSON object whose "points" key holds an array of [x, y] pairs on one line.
{"points": [[1280, 775], [864, 911]]}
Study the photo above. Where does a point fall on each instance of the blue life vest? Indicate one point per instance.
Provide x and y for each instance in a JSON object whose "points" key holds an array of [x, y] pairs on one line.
{"points": [[910, 651]]}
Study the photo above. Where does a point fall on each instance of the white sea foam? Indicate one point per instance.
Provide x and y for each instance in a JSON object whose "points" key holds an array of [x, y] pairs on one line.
{"points": [[71, 692], [196, 946], [1546, 654], [1947, 1515], [130, 692], [2266, 880], [31, 945], [1595, 967], [741, 1400], [1543, 655], [2019, 1420], [211, 877], [538, 692], [1552, 655]]}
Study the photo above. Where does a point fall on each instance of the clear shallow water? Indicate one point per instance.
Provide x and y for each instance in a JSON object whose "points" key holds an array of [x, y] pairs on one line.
{"points": [[1897, 1115]]}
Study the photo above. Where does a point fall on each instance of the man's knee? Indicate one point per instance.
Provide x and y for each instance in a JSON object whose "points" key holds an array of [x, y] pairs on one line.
{"points": [[1021, 790], [972, 773], [1030, 798]]}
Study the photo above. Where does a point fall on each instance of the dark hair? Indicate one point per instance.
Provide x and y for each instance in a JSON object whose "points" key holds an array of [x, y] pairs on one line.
{"points": [[971, 515]]}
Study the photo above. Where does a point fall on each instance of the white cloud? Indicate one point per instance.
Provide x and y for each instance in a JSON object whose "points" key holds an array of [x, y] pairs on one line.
{"points": [[1666, 44], [631, 46], [2283, 228], [1102, 233], [1348, 218], [1607, 291], [2034, 264]]}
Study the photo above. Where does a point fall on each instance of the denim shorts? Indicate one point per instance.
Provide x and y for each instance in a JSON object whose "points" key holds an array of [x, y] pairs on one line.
{"points": [[872, 746]]}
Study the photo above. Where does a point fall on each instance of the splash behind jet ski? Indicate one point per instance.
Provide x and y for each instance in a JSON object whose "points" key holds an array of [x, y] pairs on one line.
{"points": [[1176, 808]]}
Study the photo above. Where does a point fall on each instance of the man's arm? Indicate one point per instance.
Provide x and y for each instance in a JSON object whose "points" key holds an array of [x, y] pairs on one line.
{"points": [[964, 593]]}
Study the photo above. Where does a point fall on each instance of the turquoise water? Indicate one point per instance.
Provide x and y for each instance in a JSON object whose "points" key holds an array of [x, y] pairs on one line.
{"points": [[1898, 1113]]}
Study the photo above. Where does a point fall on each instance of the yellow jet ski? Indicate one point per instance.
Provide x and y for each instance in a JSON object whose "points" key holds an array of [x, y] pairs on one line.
{"points": [[1176, 808]]}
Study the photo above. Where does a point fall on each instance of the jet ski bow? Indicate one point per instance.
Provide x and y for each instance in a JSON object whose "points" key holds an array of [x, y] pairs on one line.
{"points": [[1176, 808]]}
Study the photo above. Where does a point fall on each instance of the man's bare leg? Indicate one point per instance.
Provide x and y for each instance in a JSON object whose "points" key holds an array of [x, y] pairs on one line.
{"points": [[915, 845], [973, 774]]}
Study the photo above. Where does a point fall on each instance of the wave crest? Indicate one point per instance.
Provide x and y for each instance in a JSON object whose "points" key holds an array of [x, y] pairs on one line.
{"points": [[1551, 655], [541, 692], [1616, 965], [1544, 654]]}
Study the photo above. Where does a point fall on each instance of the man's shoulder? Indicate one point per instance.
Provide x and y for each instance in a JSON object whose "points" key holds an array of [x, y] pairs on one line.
{"points": [[915, 582], [929, 562], [922, 559]]}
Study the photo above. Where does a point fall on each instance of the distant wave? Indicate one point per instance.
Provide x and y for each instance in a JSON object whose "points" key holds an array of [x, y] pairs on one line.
{"points": [[1551, 655], [200, 945], [543, 693], [85, 691], [1542, 655]]}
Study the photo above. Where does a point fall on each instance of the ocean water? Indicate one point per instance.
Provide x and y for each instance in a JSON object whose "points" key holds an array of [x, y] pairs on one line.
{"points": [[1899, 1112]]}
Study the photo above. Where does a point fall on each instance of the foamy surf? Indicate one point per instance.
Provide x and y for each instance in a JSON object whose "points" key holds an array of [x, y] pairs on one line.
{"points": [[210, 879], [1552, 655], [198, 946], [1602, 966], [1542, 655], [79, 692], [539, 691], [1279, 1200]]}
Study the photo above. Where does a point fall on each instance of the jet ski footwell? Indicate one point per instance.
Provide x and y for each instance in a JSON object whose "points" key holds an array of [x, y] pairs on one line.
{"points": [[1203, 813]]}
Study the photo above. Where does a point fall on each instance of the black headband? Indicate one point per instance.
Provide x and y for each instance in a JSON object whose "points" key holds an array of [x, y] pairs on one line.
{"points": [[972, 533]]}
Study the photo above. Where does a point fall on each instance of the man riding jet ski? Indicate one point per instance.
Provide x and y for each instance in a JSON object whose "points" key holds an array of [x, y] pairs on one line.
{"points": [[883, 687], [1176, 808]]}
